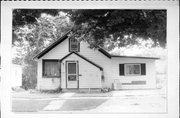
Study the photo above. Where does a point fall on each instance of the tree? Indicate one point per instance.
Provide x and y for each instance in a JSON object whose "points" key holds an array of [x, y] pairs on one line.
{"points": [[29, 39], [98, 26], [103, 25]]}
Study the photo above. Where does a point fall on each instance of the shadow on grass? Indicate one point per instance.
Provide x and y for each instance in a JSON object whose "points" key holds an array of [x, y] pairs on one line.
{"points": [[28, 105], [81, 104]]}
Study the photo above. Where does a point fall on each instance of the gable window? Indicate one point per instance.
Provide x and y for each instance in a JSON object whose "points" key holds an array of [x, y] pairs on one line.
{"points": [[132, 69], [51, 68], [73, 45]]}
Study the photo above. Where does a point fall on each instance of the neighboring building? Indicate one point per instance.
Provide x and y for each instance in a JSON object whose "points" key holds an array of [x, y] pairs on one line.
{"points": [[16, 75], [69, 64]]}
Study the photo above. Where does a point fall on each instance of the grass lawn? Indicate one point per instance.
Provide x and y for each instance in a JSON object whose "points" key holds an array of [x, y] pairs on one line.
{"points": [[81, 104], [39, 95], [28, 105], [86, 94]]}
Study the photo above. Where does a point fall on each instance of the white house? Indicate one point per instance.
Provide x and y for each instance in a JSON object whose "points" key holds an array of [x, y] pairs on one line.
{"points": [[72, 65]]}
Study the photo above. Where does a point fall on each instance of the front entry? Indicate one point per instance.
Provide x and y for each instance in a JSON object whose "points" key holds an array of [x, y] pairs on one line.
{"points": [[72, 74]]}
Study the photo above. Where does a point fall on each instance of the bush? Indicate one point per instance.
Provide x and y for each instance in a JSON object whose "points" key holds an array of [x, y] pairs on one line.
{"points": [[58, 90], [29, 77], [104, 90]]}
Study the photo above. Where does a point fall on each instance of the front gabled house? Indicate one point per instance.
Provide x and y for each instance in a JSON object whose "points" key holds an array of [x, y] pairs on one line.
{"points": [[72, 65]]}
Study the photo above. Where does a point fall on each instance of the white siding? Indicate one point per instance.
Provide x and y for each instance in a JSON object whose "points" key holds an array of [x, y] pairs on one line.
{"points": [[56, 53], [91, 75], [46, 83], [149, 77], [100, 59]]}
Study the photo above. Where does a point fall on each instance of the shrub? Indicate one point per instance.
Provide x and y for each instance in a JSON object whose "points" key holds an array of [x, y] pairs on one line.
{"points": [[29, 77]]}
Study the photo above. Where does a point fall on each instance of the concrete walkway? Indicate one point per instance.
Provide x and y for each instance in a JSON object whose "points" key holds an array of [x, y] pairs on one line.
{"points": [[56, 104]]}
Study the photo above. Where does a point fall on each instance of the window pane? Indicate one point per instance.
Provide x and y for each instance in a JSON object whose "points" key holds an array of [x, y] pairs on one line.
{"points": [[71, 68], [51, 68], [132, 69], [73, 45], [136, 69], [71, 77]]}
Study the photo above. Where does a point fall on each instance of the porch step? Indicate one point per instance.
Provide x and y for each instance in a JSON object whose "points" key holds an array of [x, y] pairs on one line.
{"points": [[85, 90]]}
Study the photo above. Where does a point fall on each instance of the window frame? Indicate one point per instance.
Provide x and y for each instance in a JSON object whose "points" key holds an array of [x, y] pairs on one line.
{"points": [[43, 67], [78, 46], [125, 67]]}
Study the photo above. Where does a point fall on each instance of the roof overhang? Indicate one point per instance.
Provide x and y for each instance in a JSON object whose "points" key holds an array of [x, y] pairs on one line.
{"points": [[137, 57], [82, 58], [64, 37], [39, 55]]}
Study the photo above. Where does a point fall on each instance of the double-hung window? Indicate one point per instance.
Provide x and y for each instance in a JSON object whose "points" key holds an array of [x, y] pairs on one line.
{"points": [[51, 68]]}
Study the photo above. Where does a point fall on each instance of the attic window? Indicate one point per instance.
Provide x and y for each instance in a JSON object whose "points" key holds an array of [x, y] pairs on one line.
{"points": [[73, 45]]}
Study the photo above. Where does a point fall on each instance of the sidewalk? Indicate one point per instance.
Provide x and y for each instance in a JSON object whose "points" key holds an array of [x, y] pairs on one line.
{"points": [[75, 95]]}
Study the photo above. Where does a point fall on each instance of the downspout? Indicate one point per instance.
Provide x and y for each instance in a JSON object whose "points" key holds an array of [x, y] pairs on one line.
{"points": [[59, 65]]}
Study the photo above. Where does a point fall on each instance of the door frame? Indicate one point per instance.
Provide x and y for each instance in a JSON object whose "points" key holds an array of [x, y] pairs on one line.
{"points": [[77, 72]]}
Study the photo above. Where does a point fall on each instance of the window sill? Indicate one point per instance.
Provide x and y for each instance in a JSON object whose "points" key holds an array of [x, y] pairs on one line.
{"points": [[50, 76]]}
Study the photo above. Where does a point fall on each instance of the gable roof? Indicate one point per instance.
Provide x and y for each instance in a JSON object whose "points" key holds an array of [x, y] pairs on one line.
{"points": [[82, 58], [39, 55], [65, 36]]}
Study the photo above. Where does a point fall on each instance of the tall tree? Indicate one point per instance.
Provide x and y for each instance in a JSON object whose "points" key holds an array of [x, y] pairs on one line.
{"points": [[98, 26], [116, 24]]}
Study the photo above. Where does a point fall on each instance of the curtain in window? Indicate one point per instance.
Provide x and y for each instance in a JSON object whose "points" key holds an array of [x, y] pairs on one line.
{"points": [[132, 69], [51, 68]]}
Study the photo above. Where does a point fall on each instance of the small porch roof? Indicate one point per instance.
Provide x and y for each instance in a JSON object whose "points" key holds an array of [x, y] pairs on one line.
{"points": [[82, 58]]}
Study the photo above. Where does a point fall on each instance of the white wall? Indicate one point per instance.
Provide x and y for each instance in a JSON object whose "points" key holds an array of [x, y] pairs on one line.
{"points": [[16, 75], [149, 77], [57, 52], [110, 67], [91, 75]]}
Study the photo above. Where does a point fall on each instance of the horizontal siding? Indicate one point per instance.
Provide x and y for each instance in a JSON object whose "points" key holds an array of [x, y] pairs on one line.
{"points": [[110, 68], [100, 59], [58, 52], [49, 83], [149, 78], [91, 75]]}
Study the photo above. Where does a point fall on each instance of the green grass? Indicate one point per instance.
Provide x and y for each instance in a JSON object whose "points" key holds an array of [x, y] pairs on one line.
{"points": [[81, 104], [28, 105]]}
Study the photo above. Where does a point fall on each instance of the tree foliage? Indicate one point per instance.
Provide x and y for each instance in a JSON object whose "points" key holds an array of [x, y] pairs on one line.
{"points": [[115, 24], [98, 26], [33, 31], [29, 39], [29, 16]]}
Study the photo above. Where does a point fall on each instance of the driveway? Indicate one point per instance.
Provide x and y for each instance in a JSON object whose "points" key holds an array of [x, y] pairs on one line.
{"points": [[126, 101], [134, 102]]}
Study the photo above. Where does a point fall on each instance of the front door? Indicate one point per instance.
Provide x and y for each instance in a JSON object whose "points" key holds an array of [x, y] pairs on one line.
{"points": [[72, 74]]}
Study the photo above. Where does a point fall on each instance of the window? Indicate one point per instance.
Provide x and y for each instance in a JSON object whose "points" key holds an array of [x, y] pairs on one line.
{"points": [[51, 68], [132, 69], [73, 45]]}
